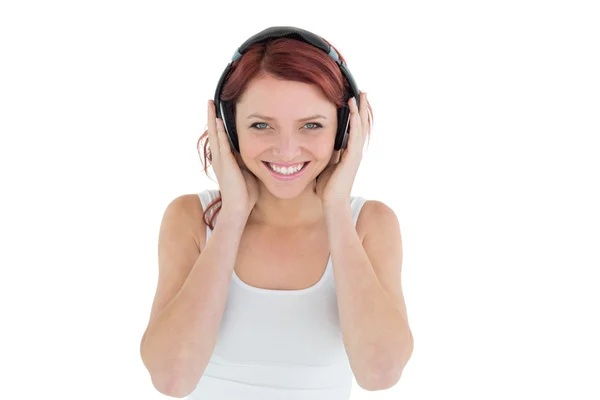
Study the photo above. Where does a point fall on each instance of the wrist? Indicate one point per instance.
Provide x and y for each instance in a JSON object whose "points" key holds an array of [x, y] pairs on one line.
{"points": [[233, 214], [337, 207]]}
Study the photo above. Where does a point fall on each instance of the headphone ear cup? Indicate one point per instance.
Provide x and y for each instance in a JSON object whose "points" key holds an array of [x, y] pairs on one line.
{"points": [[341, 137], [230, 129]]}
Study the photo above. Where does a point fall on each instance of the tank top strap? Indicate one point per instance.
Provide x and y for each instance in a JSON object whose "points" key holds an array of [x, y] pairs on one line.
{"points": [[356, 204], [206, 196]]}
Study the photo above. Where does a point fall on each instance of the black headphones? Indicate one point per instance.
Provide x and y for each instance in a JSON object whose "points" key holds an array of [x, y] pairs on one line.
{"points": [[224, 109]]}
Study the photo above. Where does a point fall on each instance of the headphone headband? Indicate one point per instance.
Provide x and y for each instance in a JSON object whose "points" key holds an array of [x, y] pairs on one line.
{"points": [[224, 109]]}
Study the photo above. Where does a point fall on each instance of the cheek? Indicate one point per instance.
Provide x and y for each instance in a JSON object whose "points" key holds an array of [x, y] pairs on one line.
{"points": [[250, 147], [324, 148], [252, 153]]}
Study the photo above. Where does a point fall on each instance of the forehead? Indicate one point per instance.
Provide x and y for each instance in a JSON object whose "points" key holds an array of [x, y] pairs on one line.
{"points": [[271, 96]]}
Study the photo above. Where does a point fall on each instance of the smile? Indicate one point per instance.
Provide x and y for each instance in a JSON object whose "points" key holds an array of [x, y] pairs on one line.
{"points": [[286, 173]]}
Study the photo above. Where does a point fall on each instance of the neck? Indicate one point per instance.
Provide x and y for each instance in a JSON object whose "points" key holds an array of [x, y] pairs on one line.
{"points": [[306, 209]]}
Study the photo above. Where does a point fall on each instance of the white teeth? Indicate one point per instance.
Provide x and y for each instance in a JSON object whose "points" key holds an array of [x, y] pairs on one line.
{"points": [[286, 170]]}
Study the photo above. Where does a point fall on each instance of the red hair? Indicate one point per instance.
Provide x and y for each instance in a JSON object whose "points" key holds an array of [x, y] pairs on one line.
{"points": [[286, 59]]}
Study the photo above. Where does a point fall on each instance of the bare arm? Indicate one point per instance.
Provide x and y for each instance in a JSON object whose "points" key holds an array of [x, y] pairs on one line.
{"points": [[180, 339]]}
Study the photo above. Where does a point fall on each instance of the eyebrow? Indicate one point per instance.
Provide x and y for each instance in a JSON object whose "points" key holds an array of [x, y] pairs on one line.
{"points": [[316, 116]]}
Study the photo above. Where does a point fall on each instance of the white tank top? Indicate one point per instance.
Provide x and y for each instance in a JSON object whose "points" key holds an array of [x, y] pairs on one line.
{"points": [[278, 344]]}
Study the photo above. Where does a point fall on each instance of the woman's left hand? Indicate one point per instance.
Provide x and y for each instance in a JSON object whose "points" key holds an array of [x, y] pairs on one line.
{"points": [[335, 182]]}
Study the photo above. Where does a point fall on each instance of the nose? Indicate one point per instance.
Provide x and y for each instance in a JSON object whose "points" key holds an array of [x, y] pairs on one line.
{"points": [[287, 147]]}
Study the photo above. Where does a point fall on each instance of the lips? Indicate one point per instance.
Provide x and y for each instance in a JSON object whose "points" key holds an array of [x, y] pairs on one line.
{"points": [[281, 165], [286, 177]]}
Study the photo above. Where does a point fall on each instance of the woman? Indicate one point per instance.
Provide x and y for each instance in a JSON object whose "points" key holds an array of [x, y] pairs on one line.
{"points": [[279, 285]]}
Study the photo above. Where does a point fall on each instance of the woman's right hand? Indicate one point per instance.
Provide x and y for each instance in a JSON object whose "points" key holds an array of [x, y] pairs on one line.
{"points": [[239, 187]]}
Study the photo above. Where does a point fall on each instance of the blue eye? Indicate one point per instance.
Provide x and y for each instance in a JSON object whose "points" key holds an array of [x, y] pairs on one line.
{"points": [[317, 125], [257, 123]]}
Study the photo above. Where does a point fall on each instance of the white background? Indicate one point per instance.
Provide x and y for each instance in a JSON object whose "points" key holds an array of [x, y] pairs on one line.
{"points": [[486, 116]]}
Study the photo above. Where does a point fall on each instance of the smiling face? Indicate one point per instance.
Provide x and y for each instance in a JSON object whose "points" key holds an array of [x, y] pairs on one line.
{"points": [[285, 123]]}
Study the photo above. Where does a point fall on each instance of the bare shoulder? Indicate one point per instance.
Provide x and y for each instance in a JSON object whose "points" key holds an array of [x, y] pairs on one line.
{"points": [[190, 206], [374, 214]]}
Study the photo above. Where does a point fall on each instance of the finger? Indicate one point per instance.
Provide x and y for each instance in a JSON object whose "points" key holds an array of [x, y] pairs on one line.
{"points": [[359, 114], [364, 113], [224, 146], [355, 113], [355, 127], [212, 129]]}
